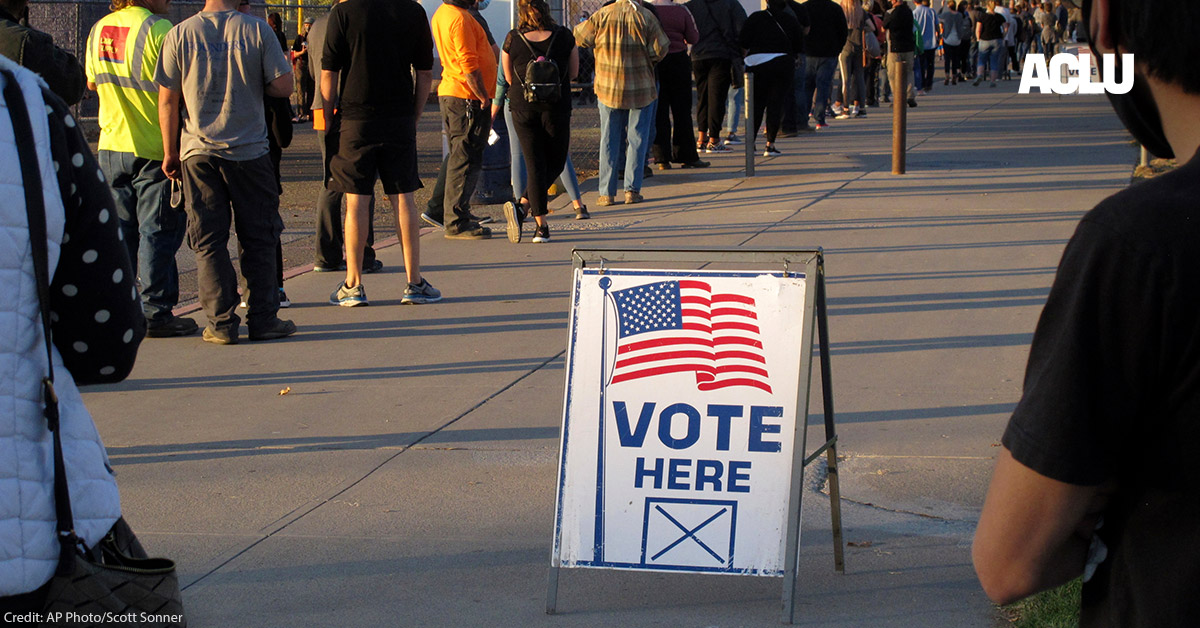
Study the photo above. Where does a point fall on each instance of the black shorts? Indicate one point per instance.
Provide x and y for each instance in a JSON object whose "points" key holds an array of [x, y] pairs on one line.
{"points": [[383, 149]]}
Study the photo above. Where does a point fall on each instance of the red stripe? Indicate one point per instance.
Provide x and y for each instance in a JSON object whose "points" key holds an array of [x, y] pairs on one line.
{"points": [[661, 370], [738, 368], [727, 383], [741, 355], [734, 340], [750, 327], [733, 311], [664, 355], [694, 300], [694, 285], [736, 298], [662, 342]]}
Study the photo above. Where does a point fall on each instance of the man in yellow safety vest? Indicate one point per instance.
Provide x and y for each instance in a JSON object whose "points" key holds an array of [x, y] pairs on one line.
{"points": [[122, 51]]}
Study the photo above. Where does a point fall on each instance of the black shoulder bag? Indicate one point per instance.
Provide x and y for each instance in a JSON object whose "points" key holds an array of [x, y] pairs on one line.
{"points": [[104, 584]]}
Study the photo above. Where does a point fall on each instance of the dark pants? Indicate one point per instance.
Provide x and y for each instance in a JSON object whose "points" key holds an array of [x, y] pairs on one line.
{"points": [[953, 56], [675, 142], [151, 228], [220, 192], [772, 80], [871, 78], [712, 87], [467, 126], [818, 82], [329, 214], [545, 137], [928, 59], [795, 112]]}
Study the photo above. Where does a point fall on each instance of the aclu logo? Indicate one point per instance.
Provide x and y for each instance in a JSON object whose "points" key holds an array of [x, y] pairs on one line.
{"points": [[1074, 74]]}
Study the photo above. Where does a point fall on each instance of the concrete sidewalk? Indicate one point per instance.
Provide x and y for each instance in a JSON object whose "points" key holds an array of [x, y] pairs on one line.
{"points": [[407, 478]]}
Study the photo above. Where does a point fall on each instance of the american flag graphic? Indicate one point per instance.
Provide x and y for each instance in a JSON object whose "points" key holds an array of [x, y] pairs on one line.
{"points": [[681, 326]]}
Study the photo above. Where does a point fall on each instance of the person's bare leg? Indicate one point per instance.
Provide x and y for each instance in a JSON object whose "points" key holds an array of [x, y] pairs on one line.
{"points": [[409, 231], [357, 223]]}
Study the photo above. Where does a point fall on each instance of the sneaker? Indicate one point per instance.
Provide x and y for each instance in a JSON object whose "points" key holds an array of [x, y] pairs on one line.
{"points": [[836, 109], [862, 113], [418, 294], [993, 83], [842, 116], [368, 269], [647, 172], [514, 216], [912, 102], [278, 328], [348, 297], [284, 301], [820, 125], [582, 213], [431, 221], [732, 140], [717, 148], [170, 328], [542, 234], [978, 80], [469, 231], [220, 336], [663, 165], [771, 151], [696, 164], [605, 201], [631, 197], [483, 220], [321, 268]]}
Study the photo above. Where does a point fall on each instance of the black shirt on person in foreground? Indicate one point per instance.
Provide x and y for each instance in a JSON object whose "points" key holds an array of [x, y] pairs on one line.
{"points": [[520, 56], [993, 27], [899, 24], [1112, 394], [377, 44]]}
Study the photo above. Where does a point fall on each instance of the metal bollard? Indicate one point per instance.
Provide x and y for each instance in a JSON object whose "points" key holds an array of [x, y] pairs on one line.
{"points": [[751, 132], [899, 115]]}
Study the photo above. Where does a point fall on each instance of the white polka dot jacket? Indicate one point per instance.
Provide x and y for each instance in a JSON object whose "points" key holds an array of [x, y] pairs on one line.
{"points": [[97, 326]]}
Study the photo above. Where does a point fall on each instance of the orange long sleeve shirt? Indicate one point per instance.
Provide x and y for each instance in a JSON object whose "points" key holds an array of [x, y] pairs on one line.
{"points": [[463, 48]]}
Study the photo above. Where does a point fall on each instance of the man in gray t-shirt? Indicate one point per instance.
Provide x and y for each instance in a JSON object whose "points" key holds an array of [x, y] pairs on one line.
{"points": [[219, 64]]}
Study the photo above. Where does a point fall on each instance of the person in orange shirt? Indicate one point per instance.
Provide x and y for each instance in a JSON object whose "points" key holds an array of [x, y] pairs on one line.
{"points": [[468, 83]]}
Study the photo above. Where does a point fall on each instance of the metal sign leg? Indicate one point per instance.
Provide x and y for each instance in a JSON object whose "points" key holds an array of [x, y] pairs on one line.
{"points": [[835, 492], [552, 591]]}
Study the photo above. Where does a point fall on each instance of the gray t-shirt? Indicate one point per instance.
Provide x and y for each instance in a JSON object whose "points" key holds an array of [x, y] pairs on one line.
{"points": [[221, 62]]}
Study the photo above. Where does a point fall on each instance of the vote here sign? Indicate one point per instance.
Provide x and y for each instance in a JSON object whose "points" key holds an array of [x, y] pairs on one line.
{"points": [[680, 419]]}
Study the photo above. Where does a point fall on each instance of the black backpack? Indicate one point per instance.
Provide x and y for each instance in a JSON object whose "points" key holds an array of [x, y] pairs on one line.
{"points": [[543, 81]]}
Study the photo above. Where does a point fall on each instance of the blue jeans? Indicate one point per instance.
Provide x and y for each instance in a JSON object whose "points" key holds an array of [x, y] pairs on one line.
{"points": [[151, 228], [733, 108], [818, 78], [617, 126], [991, 52], [568, 178]]}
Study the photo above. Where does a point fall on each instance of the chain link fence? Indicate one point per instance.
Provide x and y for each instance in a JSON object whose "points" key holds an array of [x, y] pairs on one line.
{"points": [[69, 23]]}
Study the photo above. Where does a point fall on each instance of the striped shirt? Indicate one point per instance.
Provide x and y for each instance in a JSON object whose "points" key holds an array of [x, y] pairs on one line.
{"points": [[627, 41]]}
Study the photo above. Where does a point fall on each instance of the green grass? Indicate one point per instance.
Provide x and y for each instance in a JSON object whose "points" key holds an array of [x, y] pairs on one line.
{"points": [[1056, 608]]}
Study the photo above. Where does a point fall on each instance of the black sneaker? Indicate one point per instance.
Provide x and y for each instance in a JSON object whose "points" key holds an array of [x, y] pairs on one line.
{"points": [[322, 268], [374, 267], [431, 221], [274, 330], [514, 216], [542, 234], [469, 231], [582, 213], [172, 327]]}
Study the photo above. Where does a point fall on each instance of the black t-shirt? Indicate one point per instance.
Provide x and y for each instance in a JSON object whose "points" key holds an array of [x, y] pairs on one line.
{"points": [[801, 15], [771, 32], [377, 44], [993, 26], [899, 25], [520, 56], [1112, 393]]}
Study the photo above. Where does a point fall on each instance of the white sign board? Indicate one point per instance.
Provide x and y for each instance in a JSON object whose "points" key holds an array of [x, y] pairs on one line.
{"points": [[680, 420]]}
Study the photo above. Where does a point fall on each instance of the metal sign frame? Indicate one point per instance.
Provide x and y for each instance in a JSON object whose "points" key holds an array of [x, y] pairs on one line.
{"points": [[812, 261]]}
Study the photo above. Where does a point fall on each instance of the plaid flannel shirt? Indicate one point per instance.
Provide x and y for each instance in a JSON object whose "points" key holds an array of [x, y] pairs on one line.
{"points": [[628, 42]]}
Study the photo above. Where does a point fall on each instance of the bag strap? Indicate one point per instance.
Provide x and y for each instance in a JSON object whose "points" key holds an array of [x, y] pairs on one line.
{"points": [[35, 209]]}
